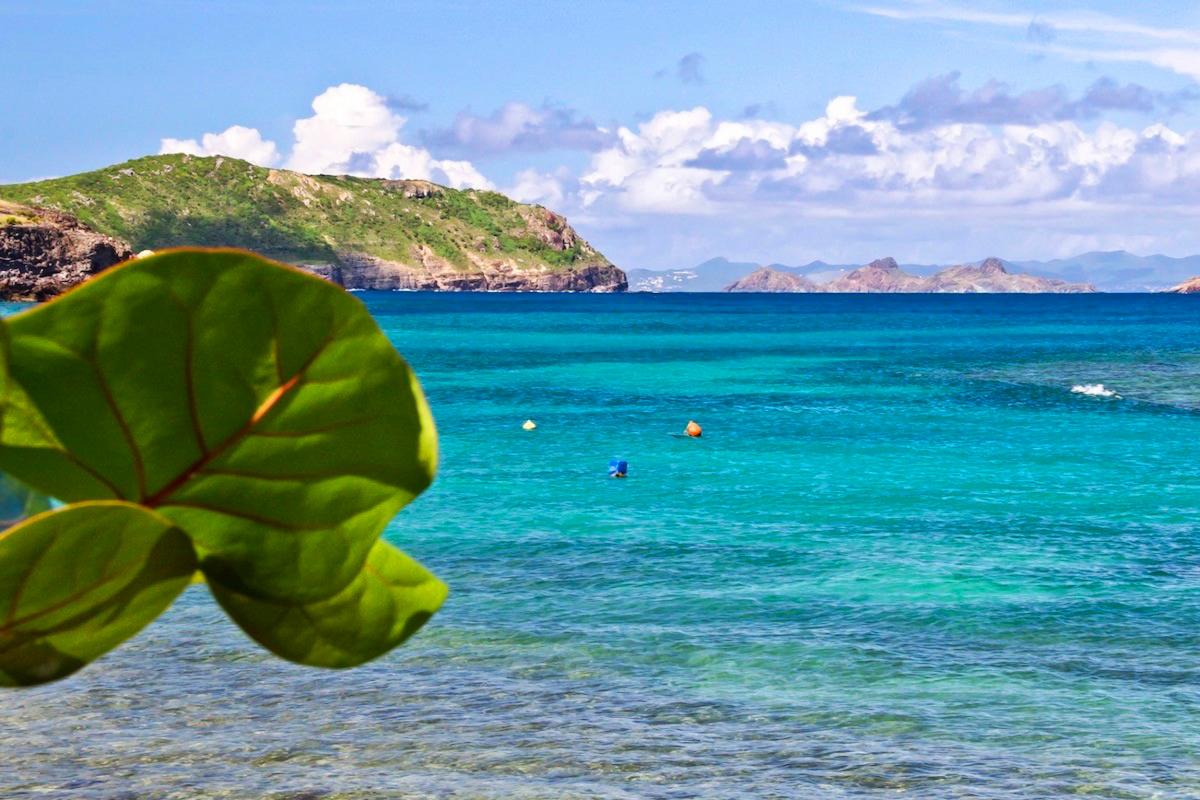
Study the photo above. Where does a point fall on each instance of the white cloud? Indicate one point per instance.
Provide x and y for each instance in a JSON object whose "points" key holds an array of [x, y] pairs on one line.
{"points": [[532, 186], [353, 131], [235, 141], [686, 185], [689, 181], [406, 161], [349, 123], [687, 162]]}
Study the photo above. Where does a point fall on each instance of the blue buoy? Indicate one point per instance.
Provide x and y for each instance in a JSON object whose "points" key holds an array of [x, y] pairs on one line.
{"points": [[618, 468]]}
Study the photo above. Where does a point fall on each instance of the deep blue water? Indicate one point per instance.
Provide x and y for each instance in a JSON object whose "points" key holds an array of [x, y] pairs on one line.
{"points": [[904, 560]]}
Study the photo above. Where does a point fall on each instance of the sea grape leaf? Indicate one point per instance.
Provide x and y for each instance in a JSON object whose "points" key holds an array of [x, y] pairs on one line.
{"points": [[389, 600], [258, 407], [78, 581]]}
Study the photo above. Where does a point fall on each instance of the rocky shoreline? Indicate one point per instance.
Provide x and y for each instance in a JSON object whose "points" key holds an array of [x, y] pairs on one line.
{"points": [[43, 252]]}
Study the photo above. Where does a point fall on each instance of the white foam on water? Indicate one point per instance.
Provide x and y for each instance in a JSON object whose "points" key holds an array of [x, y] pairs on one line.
{"points": [[1094, 390]]}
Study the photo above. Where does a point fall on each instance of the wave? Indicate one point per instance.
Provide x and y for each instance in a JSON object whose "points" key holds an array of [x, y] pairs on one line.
{"points": [[1094, 390]]}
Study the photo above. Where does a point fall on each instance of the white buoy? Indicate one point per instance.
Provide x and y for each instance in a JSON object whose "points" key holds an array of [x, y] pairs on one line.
{"points": [[144, 253], [529, 425]]}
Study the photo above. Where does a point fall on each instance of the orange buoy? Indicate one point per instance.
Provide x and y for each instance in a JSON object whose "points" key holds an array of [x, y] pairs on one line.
{"points": [[693, 429]]}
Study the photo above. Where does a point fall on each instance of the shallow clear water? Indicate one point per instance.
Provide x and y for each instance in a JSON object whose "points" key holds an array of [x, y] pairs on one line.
{"points": [[904, 559]]}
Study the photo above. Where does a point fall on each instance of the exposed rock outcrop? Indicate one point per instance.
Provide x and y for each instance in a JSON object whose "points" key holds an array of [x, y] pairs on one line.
{"points": [[1191, 286], [431, 273], [765, 279], [44, 252]]}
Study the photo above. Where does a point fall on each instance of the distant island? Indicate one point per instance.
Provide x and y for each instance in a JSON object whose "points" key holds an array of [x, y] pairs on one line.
{"points": [[1107, 271], [884, 276], [1190, 286], [363, 233]]}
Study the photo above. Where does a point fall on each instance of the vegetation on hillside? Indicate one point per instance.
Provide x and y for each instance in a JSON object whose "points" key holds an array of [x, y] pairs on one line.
{"points": [[174, 200]]}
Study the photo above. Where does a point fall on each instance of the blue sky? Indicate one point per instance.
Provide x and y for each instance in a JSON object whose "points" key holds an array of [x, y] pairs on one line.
{"points": [[668, 132]]}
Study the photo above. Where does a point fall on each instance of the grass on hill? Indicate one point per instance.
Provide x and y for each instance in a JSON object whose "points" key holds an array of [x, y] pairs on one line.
{"points": [[171, 200]]}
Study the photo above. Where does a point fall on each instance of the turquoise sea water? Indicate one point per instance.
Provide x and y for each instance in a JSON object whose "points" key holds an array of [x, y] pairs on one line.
{"points": [[904, 560]]}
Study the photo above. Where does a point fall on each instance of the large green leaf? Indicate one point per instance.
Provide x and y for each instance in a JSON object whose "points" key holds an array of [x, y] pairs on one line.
{"points": [[258, 407], [76, 582], [389, 600]]}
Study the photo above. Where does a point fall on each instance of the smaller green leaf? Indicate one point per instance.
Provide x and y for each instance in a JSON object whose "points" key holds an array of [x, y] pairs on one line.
{"points": [[76, 582], [389, 600]]}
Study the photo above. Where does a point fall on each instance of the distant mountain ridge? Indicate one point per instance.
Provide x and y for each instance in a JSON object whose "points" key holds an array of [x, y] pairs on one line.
{"points": [[711, 276], [884, 276], [1118, 270], [1114, 271]]}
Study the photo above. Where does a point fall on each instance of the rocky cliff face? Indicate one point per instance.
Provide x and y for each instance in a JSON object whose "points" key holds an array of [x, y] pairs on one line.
{"points": [[43, 252], [885, 276], [428, 272], [1191, 286], [365, 233], [774, 281]]}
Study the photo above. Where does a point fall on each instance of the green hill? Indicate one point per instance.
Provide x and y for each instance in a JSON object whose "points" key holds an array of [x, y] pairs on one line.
{"points": [[365, 233]]}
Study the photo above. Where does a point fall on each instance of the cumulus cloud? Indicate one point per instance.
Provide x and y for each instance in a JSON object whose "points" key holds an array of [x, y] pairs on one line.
{"points": [[944, 165], [352, 131], [745, 154], [545, 188], [350, 123], [518, 126], [849, 161], [847, 184], [847, 140], [235, 141], [355, 131], [940, 101]]}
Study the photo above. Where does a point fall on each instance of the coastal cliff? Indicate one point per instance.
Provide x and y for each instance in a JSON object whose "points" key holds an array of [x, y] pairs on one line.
{"points": [[44, 252], [363, 233], [885, 276]]}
